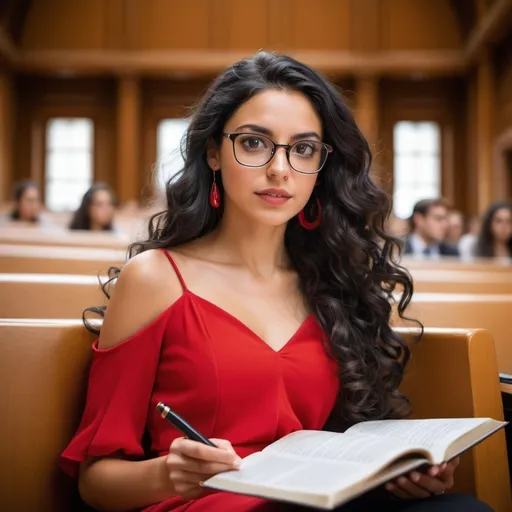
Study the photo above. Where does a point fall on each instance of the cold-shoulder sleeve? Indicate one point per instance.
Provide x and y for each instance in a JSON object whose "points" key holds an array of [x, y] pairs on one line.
{"points": [[119, 390]]}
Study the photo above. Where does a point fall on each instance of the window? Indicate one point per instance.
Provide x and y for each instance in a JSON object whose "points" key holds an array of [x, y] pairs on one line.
{"points": [[69, 162], [417, 164], [169, 159]]}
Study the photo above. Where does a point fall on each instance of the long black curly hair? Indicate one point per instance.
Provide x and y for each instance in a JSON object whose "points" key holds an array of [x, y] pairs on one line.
{"points": [[346, 267]]}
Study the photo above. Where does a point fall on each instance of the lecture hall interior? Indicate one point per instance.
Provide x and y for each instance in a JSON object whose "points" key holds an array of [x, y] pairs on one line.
{"points": [[96, 97]]}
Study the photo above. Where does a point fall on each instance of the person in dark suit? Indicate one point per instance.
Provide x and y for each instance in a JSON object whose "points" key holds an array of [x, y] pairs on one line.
{"points": [[429, 225]]}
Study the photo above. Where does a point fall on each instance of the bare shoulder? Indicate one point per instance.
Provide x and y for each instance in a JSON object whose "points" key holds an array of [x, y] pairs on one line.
{"points": [[146, 286]]}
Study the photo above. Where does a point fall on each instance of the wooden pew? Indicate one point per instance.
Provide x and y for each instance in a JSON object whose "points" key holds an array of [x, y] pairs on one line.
{"points": [[21, 259], [498, 265], [453, 373], [41, 236], [48, 295], [462, 280], [43, 366], [472, 311]]}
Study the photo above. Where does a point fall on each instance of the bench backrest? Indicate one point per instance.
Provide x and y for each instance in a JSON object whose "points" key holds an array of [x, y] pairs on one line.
{"points": [[453, 373], [48, 295], [491, 312], [21, 259], [39, 236], [43, 368], [461, 280]]}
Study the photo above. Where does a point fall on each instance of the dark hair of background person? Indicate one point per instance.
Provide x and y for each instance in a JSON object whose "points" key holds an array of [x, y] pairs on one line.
{"points": [[18, 192], [346, 267], [423, 208], [485, 241], [81, 218]]}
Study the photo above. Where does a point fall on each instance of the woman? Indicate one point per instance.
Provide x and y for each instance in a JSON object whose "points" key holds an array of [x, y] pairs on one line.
{"points": [[27, 203], [495, 238], [265, 284], [96, 211]]}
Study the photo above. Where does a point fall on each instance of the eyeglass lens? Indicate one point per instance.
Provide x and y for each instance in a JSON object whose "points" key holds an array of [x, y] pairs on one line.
{"points": [[257, 150]]}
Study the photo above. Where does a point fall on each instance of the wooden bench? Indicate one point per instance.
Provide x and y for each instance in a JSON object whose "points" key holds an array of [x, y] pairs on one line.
{"points": [[497, 265], [61, 237], [461, 280], [472, 311], [43, 367], [48, 295], [21, 259]]}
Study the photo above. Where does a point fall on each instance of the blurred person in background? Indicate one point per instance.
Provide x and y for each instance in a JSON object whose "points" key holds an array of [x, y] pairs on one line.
{"points": [[429, 227], [96, 212], [27, 202], [455, 227], [495, 237]]}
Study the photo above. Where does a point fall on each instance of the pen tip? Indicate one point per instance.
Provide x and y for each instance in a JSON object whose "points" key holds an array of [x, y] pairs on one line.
{"points": [[160, 406]]}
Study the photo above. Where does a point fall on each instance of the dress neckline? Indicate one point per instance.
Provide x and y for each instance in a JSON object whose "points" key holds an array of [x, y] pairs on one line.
{"points": [[229, 316]]}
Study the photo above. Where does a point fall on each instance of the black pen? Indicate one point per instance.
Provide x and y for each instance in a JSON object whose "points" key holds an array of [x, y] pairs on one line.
{"points": [[177, 421]]}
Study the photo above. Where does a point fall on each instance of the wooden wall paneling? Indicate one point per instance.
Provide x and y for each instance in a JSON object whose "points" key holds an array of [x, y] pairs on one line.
{"points": [[422, 24], [503, 118], [430, 100], [319, 25], [61, 24], [7, 132], [366, 20], [164, 24], [40, 99], [237, 25], [128, 172], [36, 150], [22, 147], [503, 165], [115, 35], [485, 86], [8, 50], [163, 99], [458, 181], [503, 67], [367, 108], [471, 148]]}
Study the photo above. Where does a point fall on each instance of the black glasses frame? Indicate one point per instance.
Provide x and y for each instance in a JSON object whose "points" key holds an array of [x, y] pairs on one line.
{"points": [[288, 147]]}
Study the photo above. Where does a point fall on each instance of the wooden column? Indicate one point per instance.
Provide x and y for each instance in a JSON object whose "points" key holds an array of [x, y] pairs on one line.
{"points": [[367, 108], [484, 131], [128, 182], [6, 135]]}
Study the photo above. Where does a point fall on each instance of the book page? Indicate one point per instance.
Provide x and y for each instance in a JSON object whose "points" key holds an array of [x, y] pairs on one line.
{"points": [[433, 435], [288, 473], [317, 482], [354, 448]]}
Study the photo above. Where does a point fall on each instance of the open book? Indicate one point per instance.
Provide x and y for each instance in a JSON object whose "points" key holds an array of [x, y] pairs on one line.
{"points": [[326, 469]]}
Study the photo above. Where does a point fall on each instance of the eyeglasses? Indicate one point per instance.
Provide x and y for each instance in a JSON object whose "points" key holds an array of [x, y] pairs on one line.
{"points": [[253, 150]]}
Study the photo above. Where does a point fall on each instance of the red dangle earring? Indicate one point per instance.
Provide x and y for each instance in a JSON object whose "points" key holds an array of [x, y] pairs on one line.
{"points": [[214, 193], [315, 222]]}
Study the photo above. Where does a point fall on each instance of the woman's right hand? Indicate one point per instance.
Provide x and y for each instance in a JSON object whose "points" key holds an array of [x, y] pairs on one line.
{"points": [[190, 463]]}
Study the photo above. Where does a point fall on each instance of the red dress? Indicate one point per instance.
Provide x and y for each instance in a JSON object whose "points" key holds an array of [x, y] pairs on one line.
{"points": [[215, 372]]}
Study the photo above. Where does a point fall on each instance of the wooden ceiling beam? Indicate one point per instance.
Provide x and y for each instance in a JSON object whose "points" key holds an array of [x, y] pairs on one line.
{"points": [[489, 29], [194, 63]]}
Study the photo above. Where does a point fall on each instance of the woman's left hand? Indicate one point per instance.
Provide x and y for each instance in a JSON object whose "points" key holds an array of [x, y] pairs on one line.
{"points": [[417, 485]]}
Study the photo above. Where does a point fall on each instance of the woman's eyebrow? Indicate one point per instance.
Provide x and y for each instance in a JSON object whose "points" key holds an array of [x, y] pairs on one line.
{"points": [[306, 135], [255, 128], [269, 133]]}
